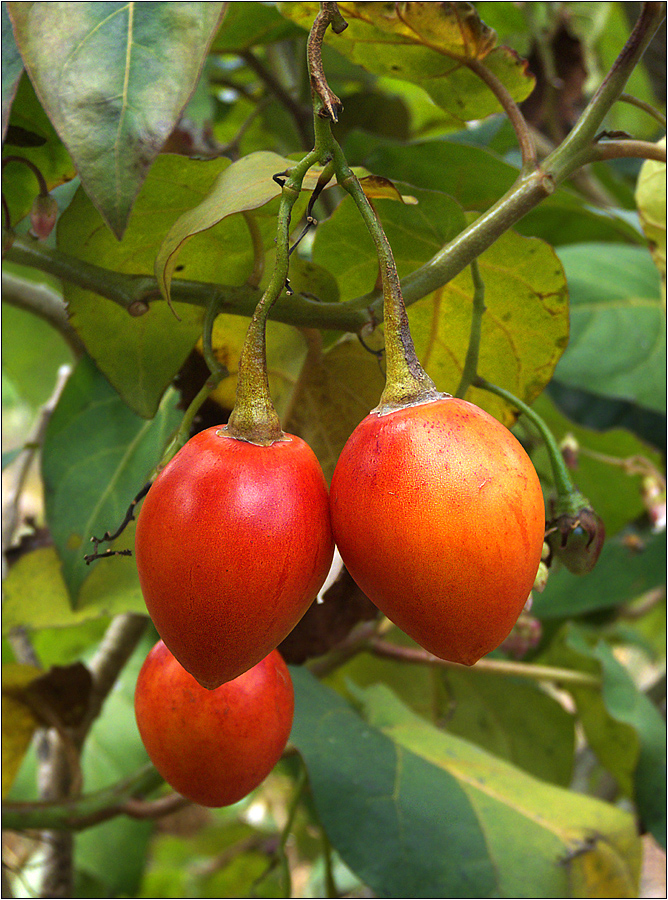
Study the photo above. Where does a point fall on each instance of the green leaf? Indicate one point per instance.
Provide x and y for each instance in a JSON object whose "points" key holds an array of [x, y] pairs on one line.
{"points": [[618, 341], [97, 455], [247, 184], [621, 574], [622, 725], [433, 45], [45, 150], [32, 353], [12, 67], [114, 80], [248, 24], [525, 327], [429, 815], [511, 718], [476, 178], [140, 356], [36, 598]]}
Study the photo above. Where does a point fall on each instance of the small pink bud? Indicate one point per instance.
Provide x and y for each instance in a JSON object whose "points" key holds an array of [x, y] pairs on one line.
{"points": [[524, 637], [43, 216]]}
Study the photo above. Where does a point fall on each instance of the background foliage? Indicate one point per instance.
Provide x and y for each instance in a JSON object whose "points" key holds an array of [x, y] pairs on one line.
{"points": [[158, 128]]}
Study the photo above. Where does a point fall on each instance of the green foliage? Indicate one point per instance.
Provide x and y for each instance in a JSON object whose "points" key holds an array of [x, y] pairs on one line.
{"points": [[114, 84], [160, 127]]}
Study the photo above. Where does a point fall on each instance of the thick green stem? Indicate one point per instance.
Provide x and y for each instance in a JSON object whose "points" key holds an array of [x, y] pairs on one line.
{"points": [[135, 293], [81, 812], [566, 158], [478, 311]]}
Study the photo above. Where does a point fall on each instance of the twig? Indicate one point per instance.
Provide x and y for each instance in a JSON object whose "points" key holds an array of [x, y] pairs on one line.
{"points": [[42, 301], [494, 666], [646, 107], [511, 109], [13, 490], [478, 311]]}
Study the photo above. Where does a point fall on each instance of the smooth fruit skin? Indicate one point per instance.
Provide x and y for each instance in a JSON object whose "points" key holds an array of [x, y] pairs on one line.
{"points": [[439, 517], [214, 747], [233, 543]]}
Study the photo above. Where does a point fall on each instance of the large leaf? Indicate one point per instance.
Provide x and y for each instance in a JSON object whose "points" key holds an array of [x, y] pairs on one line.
{"points": [[12, 67], [622, 725], [97, 455], [514, 720], [36, 597], [114, 79], [427, 814], [432, 44], [140, 356], [525, 327], [618, 326], [246, 185]]}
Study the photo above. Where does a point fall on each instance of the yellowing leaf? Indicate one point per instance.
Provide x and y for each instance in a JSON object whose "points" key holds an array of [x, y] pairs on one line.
{"points": [[245, 185], [378, 188], [651, 203], [600, 846], [435, 45], [18, 721]]}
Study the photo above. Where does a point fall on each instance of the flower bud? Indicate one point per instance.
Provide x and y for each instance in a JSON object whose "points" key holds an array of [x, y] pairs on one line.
{"points": [[577, 540], [525, 636], [570, 450], [43, 216]]}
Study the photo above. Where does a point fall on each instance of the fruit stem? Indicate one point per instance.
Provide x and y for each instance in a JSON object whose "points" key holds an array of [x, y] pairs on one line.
{"points": [[254, 418], [218, 372], [407, 383], [569, 499], [470, 369]]}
